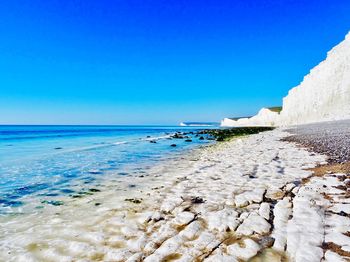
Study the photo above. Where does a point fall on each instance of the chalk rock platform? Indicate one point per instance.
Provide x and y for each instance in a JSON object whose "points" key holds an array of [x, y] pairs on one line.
{"points": [[253, 198]]}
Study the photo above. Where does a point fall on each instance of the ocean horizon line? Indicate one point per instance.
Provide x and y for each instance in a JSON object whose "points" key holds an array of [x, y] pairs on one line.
{"points": [[106, 125]]}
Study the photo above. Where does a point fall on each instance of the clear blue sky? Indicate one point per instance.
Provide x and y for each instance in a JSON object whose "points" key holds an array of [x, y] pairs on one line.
{"points": [[157, 61]]}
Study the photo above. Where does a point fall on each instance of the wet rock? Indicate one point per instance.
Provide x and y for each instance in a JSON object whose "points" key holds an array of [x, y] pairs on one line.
{"points": [[67, 191], [188, 140], [342, 213], [178, 136], [173, 145], [197, 200], [266, 242], [134, 200], [85, 193], [53, 202], [224, 134], [95, 172], [94, 190], [157, 216], [77, 196]]}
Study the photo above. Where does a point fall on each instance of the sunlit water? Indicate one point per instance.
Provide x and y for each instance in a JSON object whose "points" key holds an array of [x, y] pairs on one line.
{"points": [[42, 166]]}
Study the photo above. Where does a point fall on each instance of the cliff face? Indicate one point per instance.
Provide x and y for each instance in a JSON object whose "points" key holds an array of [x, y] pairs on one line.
{"points": [[324, 94], [265, 117]]}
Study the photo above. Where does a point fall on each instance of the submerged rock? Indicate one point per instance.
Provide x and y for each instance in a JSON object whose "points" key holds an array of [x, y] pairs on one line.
{"points": [[95, 172], [134, 200], [177, 136], [77, 196], [53, 202], [94, 190]]}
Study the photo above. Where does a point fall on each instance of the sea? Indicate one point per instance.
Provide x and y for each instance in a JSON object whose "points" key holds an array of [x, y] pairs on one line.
{"points": [[39, 165]]}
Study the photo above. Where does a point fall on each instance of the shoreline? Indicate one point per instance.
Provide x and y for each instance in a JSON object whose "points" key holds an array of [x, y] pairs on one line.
{"points": [[172, 145], [216, 204]]}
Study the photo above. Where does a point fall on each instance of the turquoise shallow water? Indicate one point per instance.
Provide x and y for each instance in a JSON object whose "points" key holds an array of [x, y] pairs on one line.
{"points": [[45, 162]]}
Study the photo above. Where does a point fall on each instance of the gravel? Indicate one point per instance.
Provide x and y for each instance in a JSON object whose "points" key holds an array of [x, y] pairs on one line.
{"points": [[329, 138]]}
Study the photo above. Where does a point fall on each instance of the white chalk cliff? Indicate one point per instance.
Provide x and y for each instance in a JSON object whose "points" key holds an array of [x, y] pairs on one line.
{"points": [[265, 117], [323, 95]]}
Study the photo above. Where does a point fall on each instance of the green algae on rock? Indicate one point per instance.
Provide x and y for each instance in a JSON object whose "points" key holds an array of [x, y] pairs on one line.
{"points": [[227, 133]]}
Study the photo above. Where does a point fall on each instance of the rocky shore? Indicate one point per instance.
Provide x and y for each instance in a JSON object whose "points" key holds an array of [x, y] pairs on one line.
{"points": [[256, 198]]}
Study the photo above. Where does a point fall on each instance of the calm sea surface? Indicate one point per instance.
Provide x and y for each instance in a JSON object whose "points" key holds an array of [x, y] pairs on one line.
{"points": [[39, 164]]}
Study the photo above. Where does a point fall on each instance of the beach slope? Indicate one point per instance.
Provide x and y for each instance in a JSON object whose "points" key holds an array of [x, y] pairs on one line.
{"points": [[254, 197]]}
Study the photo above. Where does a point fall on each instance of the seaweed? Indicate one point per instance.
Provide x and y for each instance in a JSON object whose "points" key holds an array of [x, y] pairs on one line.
{"points": [[227, 133]]}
